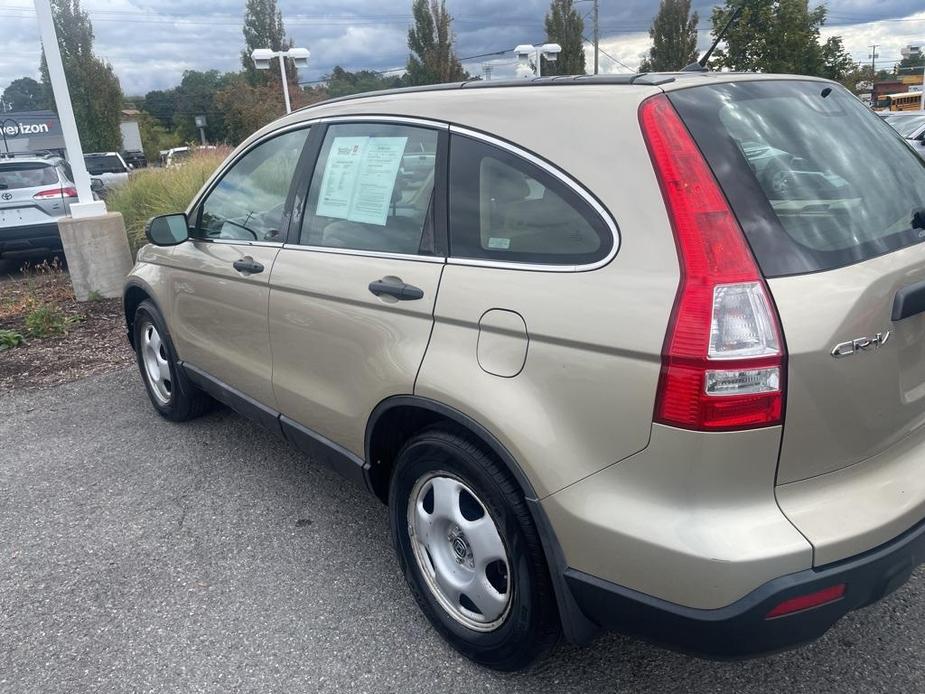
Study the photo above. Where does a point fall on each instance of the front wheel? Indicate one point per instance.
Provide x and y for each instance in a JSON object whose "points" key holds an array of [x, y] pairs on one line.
{"points": [[470, 552]]}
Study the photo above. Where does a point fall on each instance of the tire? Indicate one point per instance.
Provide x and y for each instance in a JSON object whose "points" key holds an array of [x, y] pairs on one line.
{"points": [[446, 493], [170, 391]]}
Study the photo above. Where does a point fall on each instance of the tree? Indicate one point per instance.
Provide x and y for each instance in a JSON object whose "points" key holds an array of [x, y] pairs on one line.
{"points": [[566, 27], [837, 63], [342, 82], [430, 38], [161, 104], [96, 96], [914, 60], [196, 96], [263, 28], [155, 137], [25, 94], [771, 36], [246, 107], [674, 37]]}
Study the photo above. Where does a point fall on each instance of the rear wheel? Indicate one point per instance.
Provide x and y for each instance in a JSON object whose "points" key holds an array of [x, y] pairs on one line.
{"points": [[171, 393], [470, 552]]}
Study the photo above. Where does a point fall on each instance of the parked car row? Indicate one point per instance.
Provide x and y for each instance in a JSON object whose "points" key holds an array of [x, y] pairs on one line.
{"points": [[911, 125], [662, 374]]}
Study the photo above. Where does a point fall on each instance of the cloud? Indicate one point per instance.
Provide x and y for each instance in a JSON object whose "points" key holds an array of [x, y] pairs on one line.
{"points": [[151, 42]]}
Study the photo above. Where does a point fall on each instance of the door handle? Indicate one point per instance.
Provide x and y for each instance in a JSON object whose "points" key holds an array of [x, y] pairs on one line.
{"points": [[396, 288], [247, 265]]}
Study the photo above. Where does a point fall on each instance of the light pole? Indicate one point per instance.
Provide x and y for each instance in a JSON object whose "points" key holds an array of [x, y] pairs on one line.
{"points": [[525, 51], [201, 124], [4, 129], [86, 205], [264, 56]]}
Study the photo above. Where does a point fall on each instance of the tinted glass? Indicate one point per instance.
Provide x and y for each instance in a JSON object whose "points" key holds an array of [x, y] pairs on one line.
{"points": [[372, 188], [249, 201], [503, 207], [97, 165], [26, 175], [907, 125], [816, 180]]}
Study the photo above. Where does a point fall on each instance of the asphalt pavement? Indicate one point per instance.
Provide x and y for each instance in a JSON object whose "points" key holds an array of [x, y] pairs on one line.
{"points": [[138, 555]]}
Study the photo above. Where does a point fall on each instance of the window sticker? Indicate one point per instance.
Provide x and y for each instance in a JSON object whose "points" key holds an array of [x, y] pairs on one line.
{"points": [[499, 242], [359, 178]]}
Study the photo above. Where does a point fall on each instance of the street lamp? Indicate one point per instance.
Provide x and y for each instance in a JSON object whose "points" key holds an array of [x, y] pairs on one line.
{"points": [[525, 51], [264, 56], [7, 130]]}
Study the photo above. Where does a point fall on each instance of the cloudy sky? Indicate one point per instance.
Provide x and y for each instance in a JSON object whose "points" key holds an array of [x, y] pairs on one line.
{"points": [[151, 42]]}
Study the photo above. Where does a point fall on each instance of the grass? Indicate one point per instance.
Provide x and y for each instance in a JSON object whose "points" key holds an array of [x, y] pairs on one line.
{"points": [[46, 320], [10, 339], [155, 191]]}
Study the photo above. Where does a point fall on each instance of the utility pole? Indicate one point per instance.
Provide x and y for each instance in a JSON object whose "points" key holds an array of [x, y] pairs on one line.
{"points": [[873, 61], [487, 70], [597, 36]]}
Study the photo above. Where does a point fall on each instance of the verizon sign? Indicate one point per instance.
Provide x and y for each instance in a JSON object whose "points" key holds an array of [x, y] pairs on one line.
{"points": [[11, 130], [30, 124]]}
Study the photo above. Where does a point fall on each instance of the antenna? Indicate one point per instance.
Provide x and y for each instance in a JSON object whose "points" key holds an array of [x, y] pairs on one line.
{"points": [[701, 65]]}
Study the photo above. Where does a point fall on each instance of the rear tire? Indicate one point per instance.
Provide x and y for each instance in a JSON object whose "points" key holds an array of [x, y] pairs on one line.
{"points": [[454, 513], [170, 391]]}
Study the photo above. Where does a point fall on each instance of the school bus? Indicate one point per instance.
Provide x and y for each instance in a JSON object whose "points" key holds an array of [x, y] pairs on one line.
{"points": [[908, 101]]}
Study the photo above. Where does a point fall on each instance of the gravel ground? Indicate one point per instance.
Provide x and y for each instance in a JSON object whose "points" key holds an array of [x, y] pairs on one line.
{"points": [[138, 555]]}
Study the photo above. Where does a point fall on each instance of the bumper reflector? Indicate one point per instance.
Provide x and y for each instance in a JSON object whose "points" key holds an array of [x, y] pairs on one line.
{"points": [[808, 602]]}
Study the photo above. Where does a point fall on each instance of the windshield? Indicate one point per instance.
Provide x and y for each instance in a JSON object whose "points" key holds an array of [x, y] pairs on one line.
{"points": [[816, 180], [107, 163], [907, 125], [26, 175]]}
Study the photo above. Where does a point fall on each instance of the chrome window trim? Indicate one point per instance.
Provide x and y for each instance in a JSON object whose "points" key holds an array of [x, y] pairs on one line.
{"points": [[559, 175], [239, 242], [367, 254]]}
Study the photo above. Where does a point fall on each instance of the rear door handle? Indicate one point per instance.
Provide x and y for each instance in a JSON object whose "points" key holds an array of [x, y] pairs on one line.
{"points": [[395, 287], [247, 265]]}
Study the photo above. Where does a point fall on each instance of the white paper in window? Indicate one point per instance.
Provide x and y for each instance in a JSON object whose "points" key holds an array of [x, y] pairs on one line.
{"points": [[359, 178]]}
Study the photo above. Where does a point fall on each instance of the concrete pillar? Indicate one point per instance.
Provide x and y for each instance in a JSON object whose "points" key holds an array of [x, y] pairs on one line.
{"points": [[97, 252]]}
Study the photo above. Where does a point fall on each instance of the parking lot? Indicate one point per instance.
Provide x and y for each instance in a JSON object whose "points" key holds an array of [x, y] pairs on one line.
{"points": [[139, 555]]}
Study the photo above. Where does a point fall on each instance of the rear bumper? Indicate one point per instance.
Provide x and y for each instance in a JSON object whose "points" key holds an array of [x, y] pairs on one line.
{"points": [[741, 629], [33, 238]]}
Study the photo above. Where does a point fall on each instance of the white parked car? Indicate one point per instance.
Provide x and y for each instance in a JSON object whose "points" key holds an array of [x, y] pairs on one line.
{"points": [[109, 167]]}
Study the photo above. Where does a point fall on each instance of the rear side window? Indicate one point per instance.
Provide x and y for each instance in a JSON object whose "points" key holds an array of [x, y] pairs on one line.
{"points": [[104, 163], [26, 175], [816, 180], [505, 208]]}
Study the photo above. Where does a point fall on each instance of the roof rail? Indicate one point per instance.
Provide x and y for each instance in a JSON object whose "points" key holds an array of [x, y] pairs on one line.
{"points": [[648, 79]]}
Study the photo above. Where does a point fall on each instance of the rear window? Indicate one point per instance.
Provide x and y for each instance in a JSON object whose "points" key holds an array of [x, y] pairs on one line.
{"points": [[97, 165], [816, 180], [26, 175]]}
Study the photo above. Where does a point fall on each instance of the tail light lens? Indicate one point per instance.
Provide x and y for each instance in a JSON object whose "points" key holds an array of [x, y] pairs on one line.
{"points": [[68, 192], [723, 359]]}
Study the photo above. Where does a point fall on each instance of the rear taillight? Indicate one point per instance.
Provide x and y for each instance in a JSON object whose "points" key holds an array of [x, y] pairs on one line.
{"points": [[801, 603], [68, 192], [723, 359]]}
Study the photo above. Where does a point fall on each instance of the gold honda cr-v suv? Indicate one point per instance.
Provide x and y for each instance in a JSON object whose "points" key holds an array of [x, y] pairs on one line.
{"points": [[638, 352]]}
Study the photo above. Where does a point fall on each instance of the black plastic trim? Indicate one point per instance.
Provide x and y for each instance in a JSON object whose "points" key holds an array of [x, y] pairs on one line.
{"points": [[909, 301], [233, 398], [741, 629], [576, 626], [325, 451]]}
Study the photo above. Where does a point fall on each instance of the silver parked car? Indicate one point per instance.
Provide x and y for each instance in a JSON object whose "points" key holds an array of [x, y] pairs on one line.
{"points": [[35, 191], [911, 125]]}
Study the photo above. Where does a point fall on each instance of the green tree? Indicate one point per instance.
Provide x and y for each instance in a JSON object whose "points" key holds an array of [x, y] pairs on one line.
{"points": [[195, 96], [916, 60], [674, 38], [25, 94], [565, 26], [155, 137], [161, 104], [342, 82], [264, 28], [430, 38], [95, 92], [779, 36], [837, 63]]}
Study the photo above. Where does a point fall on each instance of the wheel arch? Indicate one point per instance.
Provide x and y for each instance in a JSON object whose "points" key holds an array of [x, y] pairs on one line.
{"points": [[399, 417], [134, 293]]}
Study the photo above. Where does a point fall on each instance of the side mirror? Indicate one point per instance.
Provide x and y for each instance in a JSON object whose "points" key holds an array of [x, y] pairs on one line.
{"points": [[131, 167], [167, 229], [96, 185]]}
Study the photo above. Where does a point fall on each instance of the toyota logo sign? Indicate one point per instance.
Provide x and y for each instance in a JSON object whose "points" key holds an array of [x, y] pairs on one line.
{"points": [[7, 196]]}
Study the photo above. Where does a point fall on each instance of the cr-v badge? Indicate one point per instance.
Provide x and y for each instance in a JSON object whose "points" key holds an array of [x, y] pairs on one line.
{"points": [[860, 344]]}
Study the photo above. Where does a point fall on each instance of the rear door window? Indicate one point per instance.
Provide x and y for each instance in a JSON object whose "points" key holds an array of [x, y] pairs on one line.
{"points": [[26, 175], [816, 180]]}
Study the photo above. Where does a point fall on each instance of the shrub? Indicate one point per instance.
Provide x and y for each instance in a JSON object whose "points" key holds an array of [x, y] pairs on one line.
{"points": [[155, 191], [46, 320], [10, 339]]}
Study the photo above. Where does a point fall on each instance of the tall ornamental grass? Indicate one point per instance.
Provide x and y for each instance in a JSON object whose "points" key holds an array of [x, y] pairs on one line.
{"points": [[155, 191]]}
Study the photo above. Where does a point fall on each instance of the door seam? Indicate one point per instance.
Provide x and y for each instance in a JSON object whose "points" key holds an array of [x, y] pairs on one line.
{"points": [[430, 335]]}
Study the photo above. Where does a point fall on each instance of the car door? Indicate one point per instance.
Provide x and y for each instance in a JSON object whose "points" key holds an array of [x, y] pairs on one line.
{"points": [[352, 297], [219, 279]]}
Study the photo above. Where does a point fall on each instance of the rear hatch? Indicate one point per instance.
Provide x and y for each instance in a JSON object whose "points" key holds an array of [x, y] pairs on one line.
{"points": [[832, 201], [20, 183]]}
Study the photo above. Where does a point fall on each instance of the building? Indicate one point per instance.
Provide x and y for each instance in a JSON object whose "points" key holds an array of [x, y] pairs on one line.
{"points": [[911, 51], [881, 89]]}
